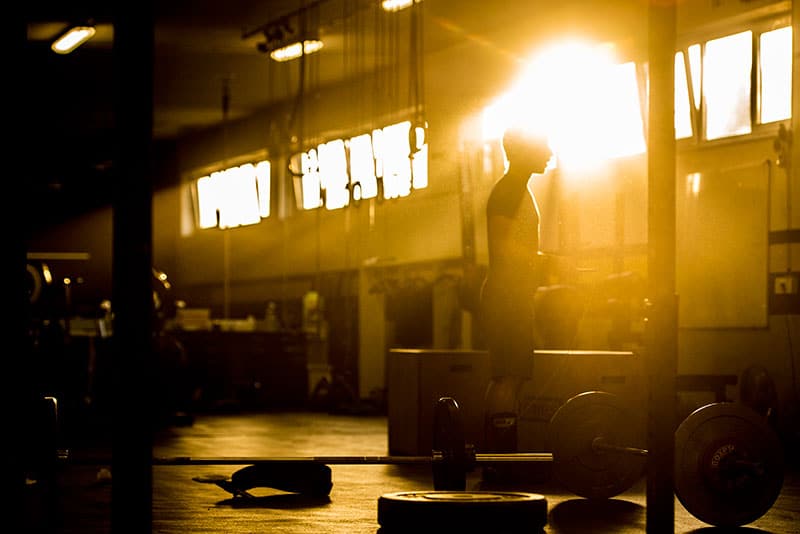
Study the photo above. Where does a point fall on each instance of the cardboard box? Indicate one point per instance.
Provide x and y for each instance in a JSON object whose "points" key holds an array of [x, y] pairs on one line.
{"points": [[418, 377]]}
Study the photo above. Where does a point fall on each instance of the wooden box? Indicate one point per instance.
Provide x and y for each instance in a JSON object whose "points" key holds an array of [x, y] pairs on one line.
{"points": [[418, 377]]}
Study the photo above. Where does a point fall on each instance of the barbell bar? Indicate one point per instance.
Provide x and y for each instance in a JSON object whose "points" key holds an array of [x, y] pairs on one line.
{"points": [[451, 457], [436, 456]]}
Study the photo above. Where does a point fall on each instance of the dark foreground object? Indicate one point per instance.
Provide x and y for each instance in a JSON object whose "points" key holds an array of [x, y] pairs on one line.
{"points": [[462, 510]]}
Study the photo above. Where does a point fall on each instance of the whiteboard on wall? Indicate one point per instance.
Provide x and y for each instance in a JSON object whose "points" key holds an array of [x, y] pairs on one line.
{"points": [[721, 247]]}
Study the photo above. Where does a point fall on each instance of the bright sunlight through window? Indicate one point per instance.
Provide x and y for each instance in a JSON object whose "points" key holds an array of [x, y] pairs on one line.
{"points": [[419, 160], [696, 72], [392, 151], [234, 197], [362, 168], [334, 180], [582, 98], [386, 155], [312, 194], [683, 111], [776, 75], [726, 85], [262, 170]]}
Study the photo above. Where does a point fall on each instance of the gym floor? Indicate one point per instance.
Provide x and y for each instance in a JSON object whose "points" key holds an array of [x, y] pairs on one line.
{"points": [[182, 505]]}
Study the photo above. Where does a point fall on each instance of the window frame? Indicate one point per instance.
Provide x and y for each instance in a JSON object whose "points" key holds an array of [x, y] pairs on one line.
{"points": [[702, 36]]}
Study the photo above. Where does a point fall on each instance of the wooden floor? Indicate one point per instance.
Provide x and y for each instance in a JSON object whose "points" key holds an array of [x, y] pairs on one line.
{"points": [[181, 505]]}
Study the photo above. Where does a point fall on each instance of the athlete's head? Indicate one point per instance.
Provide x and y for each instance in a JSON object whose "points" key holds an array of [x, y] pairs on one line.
{"points": [[525, 148]]}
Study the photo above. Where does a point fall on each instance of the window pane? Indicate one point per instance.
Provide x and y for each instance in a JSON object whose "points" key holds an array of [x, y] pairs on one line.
{"points": [[231, 197], [695, 66], [311, 184], [622, 114], [207, 202], [726, 85], [263, 183], [239, 196], [419, 162], [333, 174], [362, 168], [683, 115], [393, 152], [219, 178], [776, 74], [589, 109]]}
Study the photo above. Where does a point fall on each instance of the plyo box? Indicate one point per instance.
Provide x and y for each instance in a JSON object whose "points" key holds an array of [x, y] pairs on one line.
{"points": [[417, 378]]}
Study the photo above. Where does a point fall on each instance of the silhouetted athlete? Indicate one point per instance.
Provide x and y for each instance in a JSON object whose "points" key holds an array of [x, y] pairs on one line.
{"points": [[507, 295]]}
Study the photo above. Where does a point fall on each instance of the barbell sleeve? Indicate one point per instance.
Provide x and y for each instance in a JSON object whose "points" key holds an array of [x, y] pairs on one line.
{"points": [[514, 457]]}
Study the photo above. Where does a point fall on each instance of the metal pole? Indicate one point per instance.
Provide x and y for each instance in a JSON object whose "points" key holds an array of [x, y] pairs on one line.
{"points": [[661, 335], [133, 354], [19, 391]]}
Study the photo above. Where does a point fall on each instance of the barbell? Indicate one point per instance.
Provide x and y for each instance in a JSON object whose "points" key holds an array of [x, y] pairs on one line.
{"points": [[728, 461], [451, 458]]}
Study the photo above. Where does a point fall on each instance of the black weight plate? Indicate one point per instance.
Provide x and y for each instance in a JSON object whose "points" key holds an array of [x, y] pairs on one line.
{"points": [[449, 474], [582, 470], [428, 511], [728, 464]]}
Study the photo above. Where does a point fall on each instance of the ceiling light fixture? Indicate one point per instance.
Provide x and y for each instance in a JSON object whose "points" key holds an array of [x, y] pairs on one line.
{"points": [[295, 50], [283, 43], [72, 38], [396, 5], [291, 36]]}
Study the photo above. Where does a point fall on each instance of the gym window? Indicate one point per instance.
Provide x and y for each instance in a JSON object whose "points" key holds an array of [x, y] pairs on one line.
{"points": [[775, 75], [233, 197], [727, 63], [724, 87], [734, 83], [336, 172]]}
